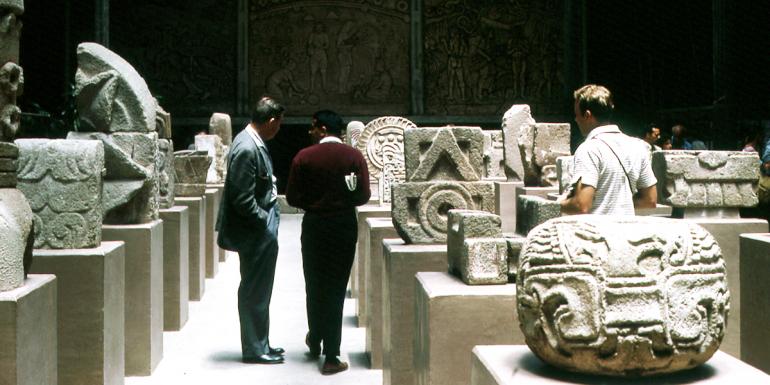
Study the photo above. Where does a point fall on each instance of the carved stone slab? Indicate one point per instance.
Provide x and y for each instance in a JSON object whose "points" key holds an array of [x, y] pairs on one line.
{"points": [[533, 210], [111, 96], [163, 123], [9, 154], [476, 249], [515, 123], [551, 140], [564, 167], [444, 153], [353, 132], [166, 174], [191, 168], [622, 296], [393, 172], [16, 237], [216, 150], [221, 126], [494, 156], [130, 184], [382, 138], [62, 180], [420, 209], [706, 178]]}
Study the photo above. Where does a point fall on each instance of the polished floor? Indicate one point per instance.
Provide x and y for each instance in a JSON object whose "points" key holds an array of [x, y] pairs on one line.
{"points": [[207, 349]]}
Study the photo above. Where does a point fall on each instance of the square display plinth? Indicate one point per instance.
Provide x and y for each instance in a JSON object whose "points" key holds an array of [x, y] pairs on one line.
{"points": [[220, 187], [505, 204], [90, 311], [176, 269], [212, 249], [516, 364], [28, 332], [144, 293], [755, 302], [452, 318], [196, 278], [379, 230], [401, 263], [358, 272]]}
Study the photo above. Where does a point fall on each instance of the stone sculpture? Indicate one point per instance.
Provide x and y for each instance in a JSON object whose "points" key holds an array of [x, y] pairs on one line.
{"points": [[190, 169], [163, 123], [476, 249], [353, 132], [533, 210], [392, 172], [706, 179], [622, 296], [494, 156], [443, 168], [382, 139], [564, 166], [531, 148], [62, 180], [216, 150], [221, 126], [166, 174]]}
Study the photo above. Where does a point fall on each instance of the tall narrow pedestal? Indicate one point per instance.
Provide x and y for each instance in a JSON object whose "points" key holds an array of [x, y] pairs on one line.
{"points": [[402, 262], [28, 332], [755, 301], [197, 241], [516, 364], [379, 229], [452, 318], [144, 293], [90, 311], [220, 187], [727, 233], [176, 270], [505, 204], [212, 250], [358, 273]]}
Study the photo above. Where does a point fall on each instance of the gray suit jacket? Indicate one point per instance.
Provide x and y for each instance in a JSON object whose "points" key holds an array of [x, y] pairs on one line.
{"points": [[247, 198]]}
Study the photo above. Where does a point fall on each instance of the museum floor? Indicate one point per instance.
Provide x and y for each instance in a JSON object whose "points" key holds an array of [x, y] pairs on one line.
{"points": [[207, 349]]}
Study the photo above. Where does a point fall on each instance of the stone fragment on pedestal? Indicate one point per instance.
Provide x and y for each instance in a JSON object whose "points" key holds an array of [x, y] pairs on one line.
{"points": [[494, 156], [564, 166], [382, 142], [163, 122], [533, 210], [353, 132], [191, 169], [476, 249], [221, 126], [166, 174], [213, 145]]}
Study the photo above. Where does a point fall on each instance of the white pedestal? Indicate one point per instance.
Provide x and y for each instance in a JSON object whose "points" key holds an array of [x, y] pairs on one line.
{"points": [[220, 187], [176, 269], [755, 301], [144, 293], [28, 333], [212, 250], [378, 230], [452, 318], [197, 241], [505, 204], [358, 272], [90, 311]]}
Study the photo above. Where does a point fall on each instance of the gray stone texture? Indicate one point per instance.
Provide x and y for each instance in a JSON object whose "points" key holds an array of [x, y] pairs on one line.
{"points": [[216, 150], [10, 33], [221, 126], [708, 179], [564, 166], [476, 249], [166, 173], [494, 156], [16, 238], [130, 194], [515, 123], [420, 208], [191, 169], [533, 210], [514, 244], [382, 138], [622, 296], [444, 153], [62, 180], [11, 86], [111, 95], [163, 122]]}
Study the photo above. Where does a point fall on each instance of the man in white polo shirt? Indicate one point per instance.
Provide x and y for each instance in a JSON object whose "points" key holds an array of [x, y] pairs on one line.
{"points": [[612, 173]]}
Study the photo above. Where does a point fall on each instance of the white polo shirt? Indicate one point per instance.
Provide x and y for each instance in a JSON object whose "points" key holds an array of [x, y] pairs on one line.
{"points": [[598, 167]]}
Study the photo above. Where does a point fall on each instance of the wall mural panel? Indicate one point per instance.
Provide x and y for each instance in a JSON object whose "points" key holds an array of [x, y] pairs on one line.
{"points": [[481, 56], [351, 55]]}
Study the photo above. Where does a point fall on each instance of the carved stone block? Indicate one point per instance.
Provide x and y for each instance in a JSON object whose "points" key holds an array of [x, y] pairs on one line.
{"points": [[494, 156], [533, 210], [191, 168], [111, 96], [10, 34], [710, 179], [130, 194], [476, 249], [221, 126], [515, 243], [163, 122], [216, 150], [444, 153], [622, 296], [166, 174], [9, 154], [353, 132], [62, 180], [16, 237], [382, 139], [420, 209], [515, 123], [564, 167]]}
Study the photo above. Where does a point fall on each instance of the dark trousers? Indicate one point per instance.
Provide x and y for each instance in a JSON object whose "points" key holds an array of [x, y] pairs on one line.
{"points": [[257, 274], [328, 248]]}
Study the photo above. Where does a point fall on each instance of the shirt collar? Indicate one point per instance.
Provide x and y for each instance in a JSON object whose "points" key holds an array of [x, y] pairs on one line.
{"points": [[610, 128], [254, 135], [331, 139]]}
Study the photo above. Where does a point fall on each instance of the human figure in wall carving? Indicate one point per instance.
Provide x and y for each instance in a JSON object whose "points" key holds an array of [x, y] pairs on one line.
{"points": [[317, 44], [346, 41], [612, 172], [456, 50], [517, 48], [381, 84], [281, 83]]}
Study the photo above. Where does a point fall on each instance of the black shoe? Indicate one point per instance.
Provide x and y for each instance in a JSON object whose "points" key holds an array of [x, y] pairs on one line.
{"points": [[333, 365], [263, 359], [277, 351], [315, 349]]}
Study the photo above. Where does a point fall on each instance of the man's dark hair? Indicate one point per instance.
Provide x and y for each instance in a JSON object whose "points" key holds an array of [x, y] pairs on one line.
{"points": [[266, 109], [329, 119], [597, 99], [648, 128]]}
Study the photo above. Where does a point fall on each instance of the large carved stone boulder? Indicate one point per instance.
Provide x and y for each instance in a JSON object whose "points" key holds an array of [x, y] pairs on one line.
{"points": [[190, 169], [212, 144], [622, 296], [62, 179], [16, 237], [707, 179], [166, 174], [476, 249]]}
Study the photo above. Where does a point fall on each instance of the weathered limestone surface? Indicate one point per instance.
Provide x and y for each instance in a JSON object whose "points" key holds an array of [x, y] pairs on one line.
{"points": [[494, 156], [476, 249], [166, 174], [353, 132], [710, 179], [216, 150], [515, 121], [62, 180], [564, 166], [383, 138], [9, 155], [514, 243], [191, 169], [444, 153], [221, 126], [622, 296], [533, 210], [16, 238], [162, 122]]}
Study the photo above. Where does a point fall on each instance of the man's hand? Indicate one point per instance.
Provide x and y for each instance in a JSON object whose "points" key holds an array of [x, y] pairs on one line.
{"points": [[581, 201]]}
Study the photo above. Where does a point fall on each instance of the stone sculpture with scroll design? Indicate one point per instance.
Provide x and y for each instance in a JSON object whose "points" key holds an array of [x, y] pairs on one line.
{"points": [[443, 170], [166, 173], [62, 179], [531, 148], [494, 156], [216, 150], [353, 132], [476, 249], [190, 169], [382, 140], [622, 296]]}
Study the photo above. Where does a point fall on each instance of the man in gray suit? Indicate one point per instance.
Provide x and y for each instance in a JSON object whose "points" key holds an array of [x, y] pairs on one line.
{"points": [[248, 224]]}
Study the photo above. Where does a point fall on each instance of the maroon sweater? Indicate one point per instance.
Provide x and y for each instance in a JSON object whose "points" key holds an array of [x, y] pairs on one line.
{"points": [[317, 179]]}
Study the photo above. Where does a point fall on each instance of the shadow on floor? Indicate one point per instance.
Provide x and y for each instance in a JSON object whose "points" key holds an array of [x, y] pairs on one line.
{"points": [[359, 359], [231, 356]]}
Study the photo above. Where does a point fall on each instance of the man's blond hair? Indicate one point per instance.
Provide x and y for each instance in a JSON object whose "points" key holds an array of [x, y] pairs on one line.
{"points": [[597, 99]]}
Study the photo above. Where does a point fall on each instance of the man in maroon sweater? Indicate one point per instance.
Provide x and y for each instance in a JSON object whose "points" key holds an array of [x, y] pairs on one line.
{"points": [[327, 180]]}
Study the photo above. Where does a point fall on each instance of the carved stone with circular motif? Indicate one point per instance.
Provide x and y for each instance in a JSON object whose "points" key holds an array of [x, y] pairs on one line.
{"points": [[622, 296]]}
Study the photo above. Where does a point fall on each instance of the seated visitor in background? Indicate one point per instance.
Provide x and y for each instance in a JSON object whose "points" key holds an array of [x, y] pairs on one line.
{"points": [[652, 136], [680, 140], [665, 143]]}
